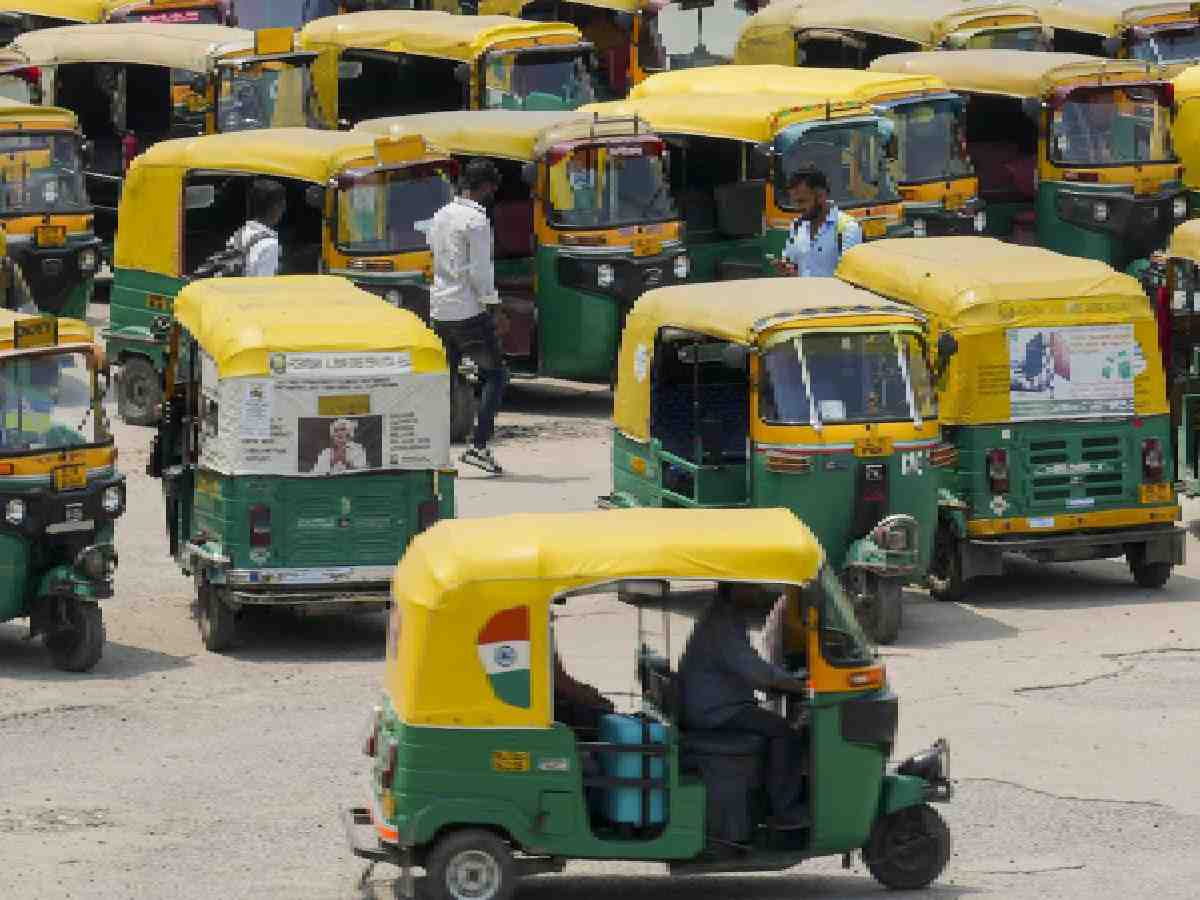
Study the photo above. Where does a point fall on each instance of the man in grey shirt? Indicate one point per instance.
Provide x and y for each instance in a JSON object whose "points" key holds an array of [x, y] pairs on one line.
{"points": [[720, 672]]}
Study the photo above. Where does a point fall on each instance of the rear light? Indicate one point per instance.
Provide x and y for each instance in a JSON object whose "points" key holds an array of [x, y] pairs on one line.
{"points": [[388, 776], [997, 471], [1153, 461], [32, 74], [428, 512], [874, 484], [260, 526]]}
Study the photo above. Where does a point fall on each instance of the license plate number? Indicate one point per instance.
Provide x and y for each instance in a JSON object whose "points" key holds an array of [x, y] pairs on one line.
{"points": [[69, 478], [874, 228], [51, 235], [1157, 493]]}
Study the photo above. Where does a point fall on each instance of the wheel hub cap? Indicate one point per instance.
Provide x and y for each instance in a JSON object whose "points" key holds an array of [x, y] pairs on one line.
{"points": [[472, 875]]}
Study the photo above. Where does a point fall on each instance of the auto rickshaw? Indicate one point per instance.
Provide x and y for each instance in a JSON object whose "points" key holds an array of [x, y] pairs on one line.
{"points": [[20, 16], [354, 203], [59, 485], [473, 779], [305, 440], [1073, 153], [931, 166], [1055, 405], [1178, 307], [819, 400], [44, 208], [376, 64], [849, 34], [583, 224], [1166, 34], [173, 12], [132, 85], [731, 155]]}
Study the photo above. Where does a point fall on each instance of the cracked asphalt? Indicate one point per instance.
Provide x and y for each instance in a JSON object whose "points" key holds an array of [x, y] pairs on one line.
{"points": [[1067, 695]]}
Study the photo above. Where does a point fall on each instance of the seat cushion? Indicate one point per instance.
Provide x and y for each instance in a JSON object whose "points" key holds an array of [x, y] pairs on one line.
{"points": [[723, 743]]}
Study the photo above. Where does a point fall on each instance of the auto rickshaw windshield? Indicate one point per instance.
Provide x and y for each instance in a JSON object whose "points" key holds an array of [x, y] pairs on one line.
{"points": [[40, 173], [608, 185], [843, 641], [853, 157], [264, 94], [46, 402], [1166, 45], [832, 377], [1026, 38], [384, 211], [1105, 126], [537, 80], [930, 139]]}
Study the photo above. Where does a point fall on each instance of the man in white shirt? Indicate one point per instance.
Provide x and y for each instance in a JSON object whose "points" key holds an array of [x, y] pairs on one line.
{"points": [[821, 233], [257, 239], [463, 303], [343, 454]]}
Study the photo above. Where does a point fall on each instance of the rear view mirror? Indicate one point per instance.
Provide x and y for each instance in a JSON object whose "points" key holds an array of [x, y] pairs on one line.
{"points": [[348, 70], [529, 173], [462, 73], [736, 356], [199, 196], [1032, 108], [947, 347], [314, 196]]}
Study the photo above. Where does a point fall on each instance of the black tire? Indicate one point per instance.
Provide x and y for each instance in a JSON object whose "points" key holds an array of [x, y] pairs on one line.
{"points": [[462, 408], [946, 583], [882, 611], [139, 393], [909, 848], [215, 618], [470, 865], [1150, 575], [78, 647]]}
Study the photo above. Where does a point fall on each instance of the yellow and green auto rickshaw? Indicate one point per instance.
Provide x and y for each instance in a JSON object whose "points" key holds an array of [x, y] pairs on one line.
{"points": [[1163, 33], [172, 12], [375, 64], [305, 440], [583, 225], [1177, 303], [20, 16], [820, 400], [1055, 402], [1073, 153], [59, 486], [44, 208], [132, 85], [849, 34], [480, 776], [354, 206], [931, 166], [731, 154]]}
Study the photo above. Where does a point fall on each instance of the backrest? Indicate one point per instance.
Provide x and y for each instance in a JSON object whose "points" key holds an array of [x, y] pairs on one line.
{"points": [[740, 208], [513, 221]]}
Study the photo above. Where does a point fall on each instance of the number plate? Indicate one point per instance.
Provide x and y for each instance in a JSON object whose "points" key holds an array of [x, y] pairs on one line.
{"points": [[873, 446], [1157, 493], [51, 235], [70, 478], [159, 302], [510, 761], [874, 228], [646, 246]]}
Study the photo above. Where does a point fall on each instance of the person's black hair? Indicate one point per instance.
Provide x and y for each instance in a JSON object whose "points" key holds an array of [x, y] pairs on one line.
{"points": [[813, 179], [479, 172], [266, 195]]}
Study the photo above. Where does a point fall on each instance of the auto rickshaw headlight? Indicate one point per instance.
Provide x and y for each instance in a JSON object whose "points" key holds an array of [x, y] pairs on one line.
{"points": [[980, 222], [683, 266], [605, 275], [112, 499], [919, 229], [1179, 207], [1100, 211], [392, 296], [87, 260], [96, 562], [14, 512]]}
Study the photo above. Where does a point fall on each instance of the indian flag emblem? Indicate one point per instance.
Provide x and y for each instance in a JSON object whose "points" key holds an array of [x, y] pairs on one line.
{"points": [[504, 652]]}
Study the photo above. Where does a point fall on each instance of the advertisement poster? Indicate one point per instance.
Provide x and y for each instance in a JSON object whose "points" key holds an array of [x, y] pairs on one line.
{"points": [[328, 414], [1079, 371]]}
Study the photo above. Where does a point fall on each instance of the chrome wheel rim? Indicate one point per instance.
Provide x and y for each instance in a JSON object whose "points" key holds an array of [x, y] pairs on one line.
{"points": [[473, 875]]}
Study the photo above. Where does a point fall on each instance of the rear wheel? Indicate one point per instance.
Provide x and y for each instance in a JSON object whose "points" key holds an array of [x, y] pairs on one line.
{"points": [[462, 408], [946, 581], [215, 618], [139, 394], [470, 865], [908, 848], [1150, 575], [78, 645]]}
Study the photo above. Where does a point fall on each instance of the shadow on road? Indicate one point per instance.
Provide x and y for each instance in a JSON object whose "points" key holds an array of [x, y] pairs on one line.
{"points": [[1029, 585], [929, 623], [558, 398], [285, 635], [28, 660]]}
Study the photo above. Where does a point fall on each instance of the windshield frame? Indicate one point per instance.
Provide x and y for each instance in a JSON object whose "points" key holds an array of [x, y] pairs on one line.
{"points": [[969, 36], [101, 435], [1147, 36], [551, 211], [840, 601], [227, 68], [850, 123], [581, 49], [895, 109], [445, 167], [58, 208], [1062, 98]]}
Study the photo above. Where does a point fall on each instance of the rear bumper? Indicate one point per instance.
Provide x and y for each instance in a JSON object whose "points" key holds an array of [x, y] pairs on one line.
{"points": [[316, 586], [1154, 543]]}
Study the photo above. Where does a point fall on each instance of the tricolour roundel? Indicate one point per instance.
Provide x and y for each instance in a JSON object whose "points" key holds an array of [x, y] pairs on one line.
{"points": [[504, 652]]}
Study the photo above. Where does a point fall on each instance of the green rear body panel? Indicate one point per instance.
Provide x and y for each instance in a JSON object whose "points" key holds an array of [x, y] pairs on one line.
{"points": [[131, 317], [14, 576]]}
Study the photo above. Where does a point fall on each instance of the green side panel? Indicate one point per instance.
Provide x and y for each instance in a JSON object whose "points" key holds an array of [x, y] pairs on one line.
{"points": [[507, 269], [512, 687], [1000, 218], [448, 777], [642, 488], [901, 791], [776, 239], [846, 783], [707, 255], [130, 315], [1058, 467], [347, 520], [668, 480], [578, 331], [14, 576], [1055, 234]]}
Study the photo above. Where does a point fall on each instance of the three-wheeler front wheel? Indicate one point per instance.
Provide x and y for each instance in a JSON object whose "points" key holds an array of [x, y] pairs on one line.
{"points": [[215, 618], [470, 865], [945, 571], [880, 605], [139, 392], [909, 848], [78, 645]]}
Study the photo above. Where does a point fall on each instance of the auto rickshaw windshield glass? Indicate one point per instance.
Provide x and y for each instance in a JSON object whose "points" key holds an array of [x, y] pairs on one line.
{"points": [[1105, 126], [385, 212], [607, 185], [265, 94], [1028, 38], [930, 139], [822, 378], [46, 402], [537, 80], [1166, 45], [853, 157], [843, 641], [40, 172]]}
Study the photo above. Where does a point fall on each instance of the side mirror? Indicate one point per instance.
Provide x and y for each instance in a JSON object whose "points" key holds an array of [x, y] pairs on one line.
{"points": [[199, 196], [462, 73], [314, 197], [529, 173], [1031, 107], [947, 347], [349, 69]]}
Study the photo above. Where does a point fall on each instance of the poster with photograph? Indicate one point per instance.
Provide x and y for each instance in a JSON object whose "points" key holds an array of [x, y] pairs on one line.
{"points": [[1077, 371]]}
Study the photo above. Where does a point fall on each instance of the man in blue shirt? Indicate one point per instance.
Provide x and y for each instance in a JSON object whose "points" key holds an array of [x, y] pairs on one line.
{"points": [[821, 233]]}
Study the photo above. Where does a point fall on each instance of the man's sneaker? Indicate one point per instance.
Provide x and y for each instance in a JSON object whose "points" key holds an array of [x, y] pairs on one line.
{"points": [[481, 458]]}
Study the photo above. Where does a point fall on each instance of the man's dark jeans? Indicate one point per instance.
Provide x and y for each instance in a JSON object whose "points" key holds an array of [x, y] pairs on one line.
{"points": [[785, 756], [476, 337]]}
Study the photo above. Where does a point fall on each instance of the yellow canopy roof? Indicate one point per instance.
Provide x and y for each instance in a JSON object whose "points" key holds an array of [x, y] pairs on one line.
{"points": [[67, 10], [70, 331], [515, 7], [431, 33], [840, 84], [1187, 84], [242, 321], [507, 133], [1015, 73], [14, 112], [1103, 17], [191, 47], [752, 117], [1185, 241]]}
